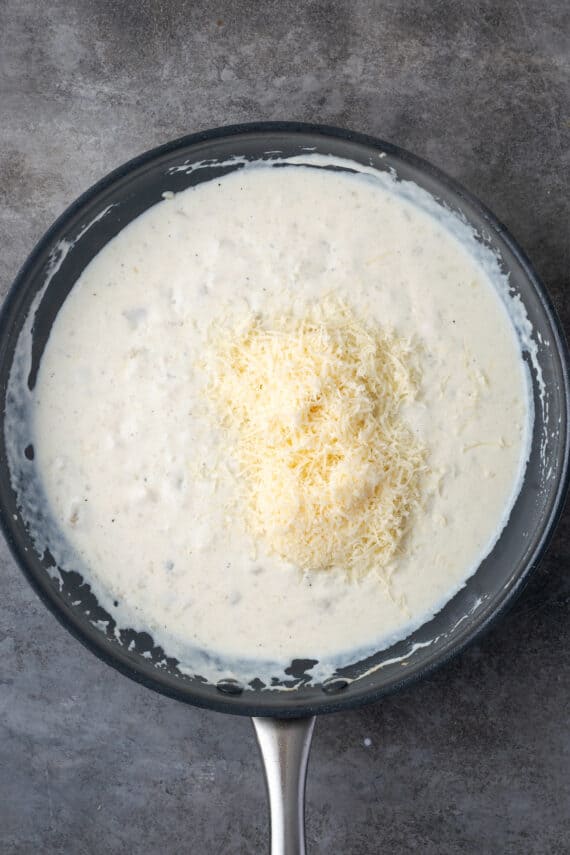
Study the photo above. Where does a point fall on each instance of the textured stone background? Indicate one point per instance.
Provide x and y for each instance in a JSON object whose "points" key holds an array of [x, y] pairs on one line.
{"points": [[475, 760]]}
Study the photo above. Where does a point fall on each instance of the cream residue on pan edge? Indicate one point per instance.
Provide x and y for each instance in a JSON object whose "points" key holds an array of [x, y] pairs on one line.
{"points": [[139, 312]]}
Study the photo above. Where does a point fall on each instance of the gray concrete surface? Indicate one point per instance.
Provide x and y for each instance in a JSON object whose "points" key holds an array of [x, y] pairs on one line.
{"points": [[475, 760]]}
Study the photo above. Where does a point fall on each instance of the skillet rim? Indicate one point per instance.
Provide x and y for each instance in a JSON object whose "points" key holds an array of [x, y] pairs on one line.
{"points": [[279, 703]]}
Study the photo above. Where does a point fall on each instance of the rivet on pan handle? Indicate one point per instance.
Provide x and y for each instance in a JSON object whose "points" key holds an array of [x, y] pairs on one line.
{"points": [[285, 746]]}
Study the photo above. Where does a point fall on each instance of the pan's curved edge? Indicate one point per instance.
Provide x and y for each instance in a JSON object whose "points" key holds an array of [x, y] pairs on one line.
{"points": [[267, 702]]}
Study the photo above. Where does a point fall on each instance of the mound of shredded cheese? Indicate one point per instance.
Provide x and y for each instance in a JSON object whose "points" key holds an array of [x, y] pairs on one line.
{"points": [[330, 471]]}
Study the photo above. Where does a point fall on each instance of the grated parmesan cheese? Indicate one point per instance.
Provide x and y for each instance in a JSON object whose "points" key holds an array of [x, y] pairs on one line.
{"points": [[329, 469]]}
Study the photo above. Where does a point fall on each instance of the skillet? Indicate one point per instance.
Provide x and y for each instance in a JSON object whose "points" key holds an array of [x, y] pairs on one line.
{"points": [[283, 720]]}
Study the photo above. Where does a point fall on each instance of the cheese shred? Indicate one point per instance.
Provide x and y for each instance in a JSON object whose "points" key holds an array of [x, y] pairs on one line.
{"points": [[330, 471]]}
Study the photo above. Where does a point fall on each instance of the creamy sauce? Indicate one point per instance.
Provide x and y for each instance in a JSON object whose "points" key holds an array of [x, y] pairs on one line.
{"points": [[135, 469]]}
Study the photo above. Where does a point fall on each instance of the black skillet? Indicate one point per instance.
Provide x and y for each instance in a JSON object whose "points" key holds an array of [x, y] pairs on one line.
{"points": [[284, 719]]}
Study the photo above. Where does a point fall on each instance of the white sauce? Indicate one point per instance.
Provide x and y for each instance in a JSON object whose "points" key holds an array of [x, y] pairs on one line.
{"points": [[127, 451]]}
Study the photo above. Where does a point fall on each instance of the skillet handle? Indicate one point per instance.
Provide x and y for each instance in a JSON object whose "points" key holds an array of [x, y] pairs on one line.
{"points": [[285, 746]]}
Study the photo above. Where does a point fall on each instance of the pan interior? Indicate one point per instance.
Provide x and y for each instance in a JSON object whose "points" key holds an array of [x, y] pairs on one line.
{"points": [[43, 286]]}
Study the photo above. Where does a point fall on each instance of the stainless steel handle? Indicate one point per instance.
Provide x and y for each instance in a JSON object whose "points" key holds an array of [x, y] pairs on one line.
{"points": [[285, 746]]}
